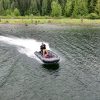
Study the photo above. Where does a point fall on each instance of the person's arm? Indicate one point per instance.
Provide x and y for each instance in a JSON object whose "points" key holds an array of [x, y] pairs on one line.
{"points": [[43, 53]]}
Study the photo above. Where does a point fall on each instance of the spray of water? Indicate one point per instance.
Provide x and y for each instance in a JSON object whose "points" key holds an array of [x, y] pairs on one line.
{"points": [[24, 46]]}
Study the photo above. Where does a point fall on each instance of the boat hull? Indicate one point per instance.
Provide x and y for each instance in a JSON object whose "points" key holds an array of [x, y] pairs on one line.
{"points": [[52, 57]]}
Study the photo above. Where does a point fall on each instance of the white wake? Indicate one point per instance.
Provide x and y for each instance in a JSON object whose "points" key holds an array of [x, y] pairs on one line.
{"points": [[24, 46]]}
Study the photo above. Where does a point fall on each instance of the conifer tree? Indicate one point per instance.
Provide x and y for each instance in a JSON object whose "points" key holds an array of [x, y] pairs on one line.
{"points": [[80, 8], [39, 5], [97, 8], [44, 7], [56, 9], [23, 6], [75, 8], [68, 8], [1, 7], [33, 8], [6, 4], [16, 12], [49, 7], [91, 5], [62, 3]]}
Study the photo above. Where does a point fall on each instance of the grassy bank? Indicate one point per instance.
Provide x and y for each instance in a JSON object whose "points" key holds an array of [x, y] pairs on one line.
{"points": [[47, 20]]}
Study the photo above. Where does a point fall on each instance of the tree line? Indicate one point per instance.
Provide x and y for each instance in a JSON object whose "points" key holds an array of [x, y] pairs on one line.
{"points": [[68, 8]]}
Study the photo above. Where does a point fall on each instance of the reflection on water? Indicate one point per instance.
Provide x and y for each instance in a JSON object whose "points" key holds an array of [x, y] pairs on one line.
{"points": [[51, 67]]}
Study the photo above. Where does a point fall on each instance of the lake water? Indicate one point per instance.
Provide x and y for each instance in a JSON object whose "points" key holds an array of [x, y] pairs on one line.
{"points": [[24, 77]]}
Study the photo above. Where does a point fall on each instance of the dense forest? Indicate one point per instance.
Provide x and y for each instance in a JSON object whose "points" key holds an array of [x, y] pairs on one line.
{"points": [[67, 8]]}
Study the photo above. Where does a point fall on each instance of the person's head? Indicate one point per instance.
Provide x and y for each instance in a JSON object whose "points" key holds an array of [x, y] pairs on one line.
{"points": [[42, 43]]}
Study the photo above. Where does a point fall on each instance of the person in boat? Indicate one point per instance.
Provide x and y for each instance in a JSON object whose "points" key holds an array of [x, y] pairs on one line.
{"points": [[43, 50], [45, 53], [42, 47]]}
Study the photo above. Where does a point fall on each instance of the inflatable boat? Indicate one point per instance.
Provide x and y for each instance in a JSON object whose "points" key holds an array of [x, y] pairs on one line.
{"points": [[51, 58]]}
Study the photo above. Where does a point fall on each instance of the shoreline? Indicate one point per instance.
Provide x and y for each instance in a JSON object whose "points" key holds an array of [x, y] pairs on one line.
{"points": [[65, 21]]}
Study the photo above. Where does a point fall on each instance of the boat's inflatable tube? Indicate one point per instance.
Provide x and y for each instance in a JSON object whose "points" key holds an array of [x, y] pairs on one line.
{"points": [[52, 57]]}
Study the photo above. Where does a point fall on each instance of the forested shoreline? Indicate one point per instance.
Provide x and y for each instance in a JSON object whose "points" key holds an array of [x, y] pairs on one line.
{"points": [[54, 8]]}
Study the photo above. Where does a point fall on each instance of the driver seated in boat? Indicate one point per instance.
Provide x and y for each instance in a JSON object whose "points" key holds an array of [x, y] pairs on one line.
{"points": [[45, 53], [43, 50], [42, 47]]}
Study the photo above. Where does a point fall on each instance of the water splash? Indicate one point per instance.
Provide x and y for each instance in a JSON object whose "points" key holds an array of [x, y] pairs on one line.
{"points": [[24, 46]]}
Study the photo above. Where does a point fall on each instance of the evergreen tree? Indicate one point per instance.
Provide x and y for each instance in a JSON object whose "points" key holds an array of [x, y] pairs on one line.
{"points": [[80, 8], [63, 3], [13, 4], [39, 5], [33, 8], [8, 12], [75, 10], [44, 7], [16, 12], [97, 8], [68, 8], [49, 7], [6, 4], [83, 9], [1, 7], [91, 5], [56, 9], [23, 6]]}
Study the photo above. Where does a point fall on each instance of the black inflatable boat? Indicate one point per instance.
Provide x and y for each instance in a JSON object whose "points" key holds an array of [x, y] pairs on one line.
{"points": [[51, 58]]}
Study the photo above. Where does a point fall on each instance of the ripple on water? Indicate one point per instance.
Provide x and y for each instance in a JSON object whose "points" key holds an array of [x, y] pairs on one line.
{"points": [[76, 77], [7, 62]]}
